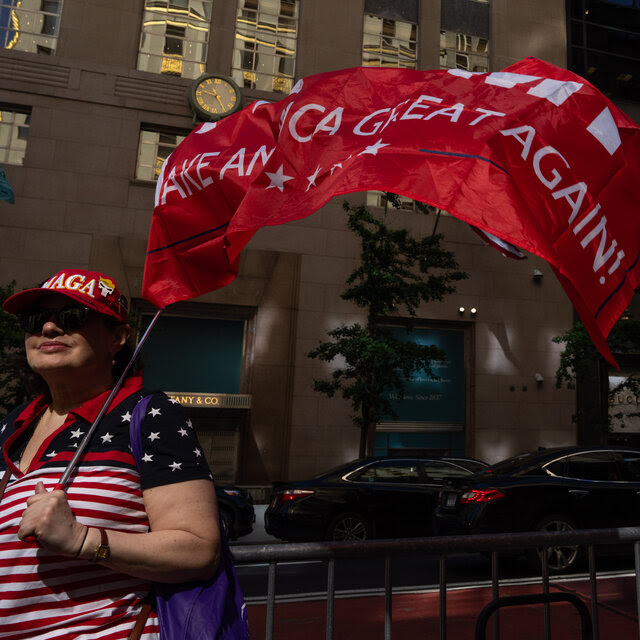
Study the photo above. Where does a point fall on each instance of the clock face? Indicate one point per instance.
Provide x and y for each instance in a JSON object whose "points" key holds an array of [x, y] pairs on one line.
{"points": [[214, 97]]}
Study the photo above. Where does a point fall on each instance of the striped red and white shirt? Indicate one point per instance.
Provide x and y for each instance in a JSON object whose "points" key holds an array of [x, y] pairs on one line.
{"points": [[47, 596]]}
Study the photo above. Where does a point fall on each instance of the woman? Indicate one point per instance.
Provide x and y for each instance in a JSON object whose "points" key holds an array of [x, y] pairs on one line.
{"points": [[80, 564]]}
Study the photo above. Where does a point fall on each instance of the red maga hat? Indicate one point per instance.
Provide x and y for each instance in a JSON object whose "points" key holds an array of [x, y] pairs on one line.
{"points": [[90, 288]]}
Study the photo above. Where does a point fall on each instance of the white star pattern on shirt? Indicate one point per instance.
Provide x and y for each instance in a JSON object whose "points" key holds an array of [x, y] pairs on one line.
{"points": [[173, 401], [52, 454], [107, 437], [175, 466], [278, 178], [4, 426], [197, 452], [189, 424], [337, 165], [77, 433], [183, 432], [312, 178], [147, 457], [154, 412], [374, 148], [126, 417], [155, 435]]}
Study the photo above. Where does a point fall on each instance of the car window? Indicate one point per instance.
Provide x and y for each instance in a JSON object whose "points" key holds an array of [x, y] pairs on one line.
{"points": [[556, 467], [630, 466], [594, 465], [438, 471], [388, 471]]}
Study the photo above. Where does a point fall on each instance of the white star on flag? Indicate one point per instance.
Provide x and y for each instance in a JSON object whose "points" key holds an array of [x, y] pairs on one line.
{"points": [[4, 426], [337, 165], [183, 432], [126, 417], [278, 178], [197, 452], [155, 435], [173, 401], [176, 466], [107, 437], [52, 454], [374, 148], [77, 433], [189, 424], [312, 178], [154, 412], [147, 457]]}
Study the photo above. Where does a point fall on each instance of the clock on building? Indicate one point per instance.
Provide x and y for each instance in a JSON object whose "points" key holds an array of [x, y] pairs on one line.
{"points": [[214, 96]]}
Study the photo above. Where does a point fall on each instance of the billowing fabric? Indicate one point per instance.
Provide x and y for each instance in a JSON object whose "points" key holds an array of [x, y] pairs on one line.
{"points": [[533, 155], [43, 595]]}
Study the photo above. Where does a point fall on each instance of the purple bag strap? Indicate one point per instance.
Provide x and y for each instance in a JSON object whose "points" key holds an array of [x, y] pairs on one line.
{"points": [[135, 427]]}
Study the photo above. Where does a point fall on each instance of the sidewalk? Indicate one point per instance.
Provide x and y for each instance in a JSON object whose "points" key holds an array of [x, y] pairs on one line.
{"points": [[416, 616]]}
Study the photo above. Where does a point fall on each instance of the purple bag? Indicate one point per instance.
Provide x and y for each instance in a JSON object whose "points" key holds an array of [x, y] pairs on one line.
{"points": [[212, 609]]}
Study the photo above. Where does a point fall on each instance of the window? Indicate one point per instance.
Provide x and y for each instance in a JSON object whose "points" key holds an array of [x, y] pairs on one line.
{"points": [[175, 37], [30, 25], [437, 471], [14, 132], [264, 54], [154, 148], [462, 51], [389, 43], [404, 472], [597, 465], [379, 199], [603, 38]]}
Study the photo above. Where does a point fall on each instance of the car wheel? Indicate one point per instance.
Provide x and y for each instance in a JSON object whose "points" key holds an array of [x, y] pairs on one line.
{"points": [[227, 523], [560, 559], [349, 526]]}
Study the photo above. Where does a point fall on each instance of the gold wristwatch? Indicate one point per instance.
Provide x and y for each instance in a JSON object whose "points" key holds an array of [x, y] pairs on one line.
{"points": [[102, 551]]}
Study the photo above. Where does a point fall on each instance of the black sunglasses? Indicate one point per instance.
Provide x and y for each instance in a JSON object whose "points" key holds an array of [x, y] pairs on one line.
{"points": [[67, 318]]}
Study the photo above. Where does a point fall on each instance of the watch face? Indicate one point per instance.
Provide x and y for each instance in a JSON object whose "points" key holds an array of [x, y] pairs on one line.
{"points": [[214, 97]]}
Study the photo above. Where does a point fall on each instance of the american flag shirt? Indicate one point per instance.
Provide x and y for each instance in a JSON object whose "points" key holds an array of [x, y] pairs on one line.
{"points": [[48, 596]]}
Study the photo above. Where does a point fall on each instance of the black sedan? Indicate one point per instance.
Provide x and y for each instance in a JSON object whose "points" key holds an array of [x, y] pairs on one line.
{"points": [[236, 510], [549, 490], [386, 497]]}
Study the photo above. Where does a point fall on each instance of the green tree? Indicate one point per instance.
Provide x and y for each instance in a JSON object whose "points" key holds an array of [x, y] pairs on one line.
{"points": [[14, 388], [396, 274], [582, 367]]}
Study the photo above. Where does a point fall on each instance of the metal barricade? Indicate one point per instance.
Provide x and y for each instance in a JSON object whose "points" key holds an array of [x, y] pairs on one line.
{"points": [[441, 547]]}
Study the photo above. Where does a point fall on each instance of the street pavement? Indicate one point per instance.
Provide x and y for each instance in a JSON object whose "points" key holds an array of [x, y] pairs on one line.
{"points": [[417, 615], [258, 535]]}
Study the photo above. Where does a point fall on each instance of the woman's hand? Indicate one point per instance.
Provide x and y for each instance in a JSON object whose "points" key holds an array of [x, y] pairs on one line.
{"points": [[49, 519]]}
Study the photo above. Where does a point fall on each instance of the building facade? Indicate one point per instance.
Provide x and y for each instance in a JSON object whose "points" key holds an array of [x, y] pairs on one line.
{"points": [[94, 95]]}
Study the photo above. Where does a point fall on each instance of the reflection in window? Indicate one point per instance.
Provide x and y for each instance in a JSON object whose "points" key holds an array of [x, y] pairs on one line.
{"points": [[154, 148], [14, 132], [389, 43], [30, 25], [462, 51], [388, 472], [264, 53], [438, 471], [175, 37], [604, 45]]}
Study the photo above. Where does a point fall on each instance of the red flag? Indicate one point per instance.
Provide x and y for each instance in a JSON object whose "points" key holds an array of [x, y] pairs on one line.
{"points": [[533, 155]]}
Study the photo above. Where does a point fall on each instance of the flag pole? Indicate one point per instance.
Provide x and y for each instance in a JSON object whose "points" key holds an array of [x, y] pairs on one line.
{"points": [[64, 480]]}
